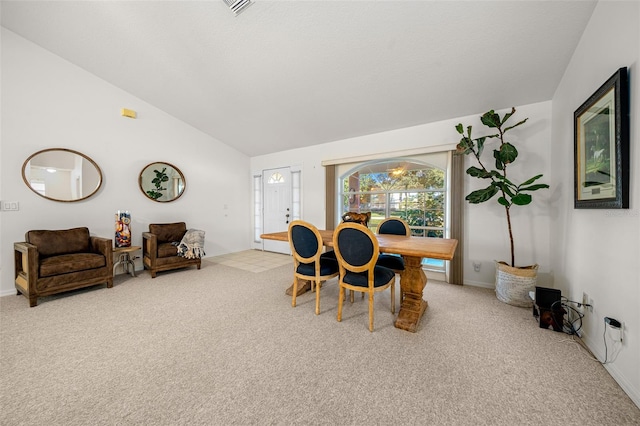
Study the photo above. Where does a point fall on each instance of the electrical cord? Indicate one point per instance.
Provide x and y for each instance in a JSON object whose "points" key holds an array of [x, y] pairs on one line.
{"points": [[582, 347], [568, 326]]}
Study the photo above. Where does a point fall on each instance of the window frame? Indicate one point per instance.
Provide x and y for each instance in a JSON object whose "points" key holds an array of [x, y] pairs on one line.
{"points": [[434, 265]]}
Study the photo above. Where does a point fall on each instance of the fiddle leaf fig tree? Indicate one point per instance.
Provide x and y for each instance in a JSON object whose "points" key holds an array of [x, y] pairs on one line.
{"points": [[504, 155]]}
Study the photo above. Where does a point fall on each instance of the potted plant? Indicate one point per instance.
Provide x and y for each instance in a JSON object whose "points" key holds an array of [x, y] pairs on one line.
{"points": [[513, 283]]}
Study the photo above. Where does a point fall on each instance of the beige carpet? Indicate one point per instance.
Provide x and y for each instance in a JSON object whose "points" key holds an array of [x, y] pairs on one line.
{"points": [[222, 346]]}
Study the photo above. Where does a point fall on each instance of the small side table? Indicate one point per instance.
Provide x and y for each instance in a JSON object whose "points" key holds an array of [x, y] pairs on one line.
{"points": [[125, 259]]}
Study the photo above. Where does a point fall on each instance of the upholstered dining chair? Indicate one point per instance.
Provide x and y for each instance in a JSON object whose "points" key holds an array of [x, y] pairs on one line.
{"points": [[395, 262], [309, 262], [357, 251]]}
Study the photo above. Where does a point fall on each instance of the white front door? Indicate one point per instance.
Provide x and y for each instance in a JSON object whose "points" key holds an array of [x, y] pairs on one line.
{"points": [[277, 206]]}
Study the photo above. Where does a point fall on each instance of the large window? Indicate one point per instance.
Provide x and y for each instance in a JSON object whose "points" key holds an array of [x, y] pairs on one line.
{"points": [[409, 189]]}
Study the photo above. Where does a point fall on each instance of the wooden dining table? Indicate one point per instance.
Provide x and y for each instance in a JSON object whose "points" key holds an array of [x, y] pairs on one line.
{"points": [[413, 279]]}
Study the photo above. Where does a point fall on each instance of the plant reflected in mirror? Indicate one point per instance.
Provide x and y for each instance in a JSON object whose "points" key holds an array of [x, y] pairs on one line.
{"points": [[162, 182], [160, 178]]}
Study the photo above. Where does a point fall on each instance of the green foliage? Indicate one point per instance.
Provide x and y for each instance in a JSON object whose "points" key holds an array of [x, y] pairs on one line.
{"points": [[160, 178], [504, 155], [419, 217], [427, 178]]}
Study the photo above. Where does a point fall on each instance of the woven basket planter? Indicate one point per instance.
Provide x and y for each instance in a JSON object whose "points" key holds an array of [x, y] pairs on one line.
{"points": [[514, 284]]}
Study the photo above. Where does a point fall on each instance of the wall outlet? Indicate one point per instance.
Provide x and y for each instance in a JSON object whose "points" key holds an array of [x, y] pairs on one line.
{"points": [[621, 330], [476, 266], [587, 302], [615, 332], [585, 299]]}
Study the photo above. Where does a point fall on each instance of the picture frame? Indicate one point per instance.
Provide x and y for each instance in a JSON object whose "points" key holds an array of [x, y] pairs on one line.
{"points": [[601, 147]]}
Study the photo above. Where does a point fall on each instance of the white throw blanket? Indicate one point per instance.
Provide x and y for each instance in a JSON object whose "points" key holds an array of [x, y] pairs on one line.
{"points": [[192, 244]]}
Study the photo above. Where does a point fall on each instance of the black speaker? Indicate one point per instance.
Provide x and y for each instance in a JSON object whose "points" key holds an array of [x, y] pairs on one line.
{"points": [[547, 310], [545, 297]]}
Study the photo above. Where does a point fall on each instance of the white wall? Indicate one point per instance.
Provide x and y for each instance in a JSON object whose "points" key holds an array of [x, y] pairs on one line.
{"points": [[486, 235], [48, 102], [596, 251]]}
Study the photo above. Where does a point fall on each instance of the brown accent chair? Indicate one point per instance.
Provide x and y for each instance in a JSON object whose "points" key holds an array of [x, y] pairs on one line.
{"points": [[50, 262], [158, 252]]}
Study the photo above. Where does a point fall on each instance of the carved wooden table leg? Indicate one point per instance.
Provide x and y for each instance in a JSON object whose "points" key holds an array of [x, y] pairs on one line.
{"points": [[412, 282], [303, 287]]}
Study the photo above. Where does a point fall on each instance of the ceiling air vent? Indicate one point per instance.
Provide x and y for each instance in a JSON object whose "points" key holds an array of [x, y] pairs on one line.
{"points": [[237, 6]]}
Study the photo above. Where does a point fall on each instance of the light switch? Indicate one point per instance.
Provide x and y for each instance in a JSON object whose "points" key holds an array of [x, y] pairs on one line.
{"points": [[9, 206]]}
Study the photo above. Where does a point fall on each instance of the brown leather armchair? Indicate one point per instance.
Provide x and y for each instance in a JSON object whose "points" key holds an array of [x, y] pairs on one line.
{"points": [[159, 253], [50, 262]]}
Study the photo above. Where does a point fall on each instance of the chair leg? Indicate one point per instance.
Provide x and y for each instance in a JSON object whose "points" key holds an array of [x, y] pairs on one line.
{"points": [[317, 297], [294, 292], [370, 311], [341, 297]]}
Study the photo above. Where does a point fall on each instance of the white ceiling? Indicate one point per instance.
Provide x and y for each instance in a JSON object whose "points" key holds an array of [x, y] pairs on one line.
{"points": [[287, 74]]}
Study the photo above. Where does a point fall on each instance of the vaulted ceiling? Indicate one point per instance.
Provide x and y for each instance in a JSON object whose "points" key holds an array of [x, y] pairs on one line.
{"points": [[288, 74]]}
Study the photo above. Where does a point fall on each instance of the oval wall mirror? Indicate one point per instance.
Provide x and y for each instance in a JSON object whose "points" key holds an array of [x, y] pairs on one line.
{"points": [[162, 182], [60, 174]]}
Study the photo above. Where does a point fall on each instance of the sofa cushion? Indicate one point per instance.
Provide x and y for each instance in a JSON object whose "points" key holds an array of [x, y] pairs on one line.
{"points": [[66, 241], [68, 263], [167, 250], [168, 232]]}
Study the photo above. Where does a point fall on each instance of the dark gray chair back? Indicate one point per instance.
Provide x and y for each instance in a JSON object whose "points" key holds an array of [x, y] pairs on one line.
{"points": [[304, 241], [355, 246], [394, 226]]}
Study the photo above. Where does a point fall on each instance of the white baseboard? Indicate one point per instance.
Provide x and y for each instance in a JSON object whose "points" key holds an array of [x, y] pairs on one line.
{"points": [[8, 293], [479, 284], [632, 392]]}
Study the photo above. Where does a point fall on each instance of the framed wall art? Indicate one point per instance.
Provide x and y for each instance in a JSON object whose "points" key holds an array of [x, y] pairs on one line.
{"points": [[601, 147]]}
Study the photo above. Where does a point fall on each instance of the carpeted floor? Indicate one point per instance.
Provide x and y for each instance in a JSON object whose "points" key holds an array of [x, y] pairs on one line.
{"points": [[223, 346]]}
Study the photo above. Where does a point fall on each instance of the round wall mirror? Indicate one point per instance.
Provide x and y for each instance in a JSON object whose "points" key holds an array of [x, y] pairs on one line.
{"points": [[162, 182], [61, 174]]}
